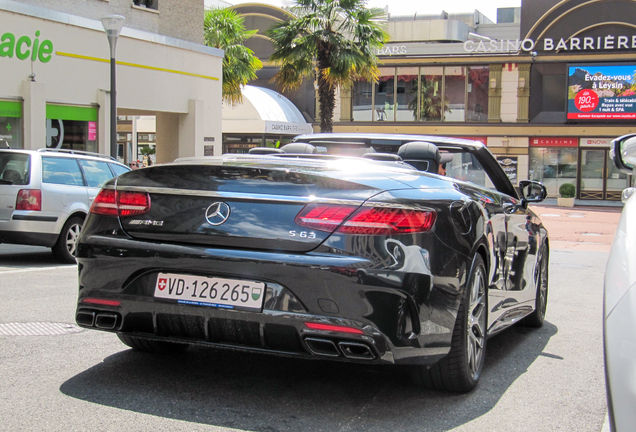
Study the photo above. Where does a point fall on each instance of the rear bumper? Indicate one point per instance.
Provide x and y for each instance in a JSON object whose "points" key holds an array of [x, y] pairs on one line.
{"points": [[405, 317], [30, 228]]}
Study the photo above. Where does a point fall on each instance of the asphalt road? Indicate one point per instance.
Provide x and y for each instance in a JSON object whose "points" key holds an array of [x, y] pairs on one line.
{"points": [[549, 379]]}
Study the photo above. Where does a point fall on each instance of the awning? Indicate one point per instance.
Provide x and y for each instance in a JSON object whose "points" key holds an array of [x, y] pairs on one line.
{"points": [[264, 111]]}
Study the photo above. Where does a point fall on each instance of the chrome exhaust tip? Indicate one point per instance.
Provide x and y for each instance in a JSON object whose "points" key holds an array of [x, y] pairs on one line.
{"points": [[357, 351], [106, 321], [322, 347], [85, 319]]}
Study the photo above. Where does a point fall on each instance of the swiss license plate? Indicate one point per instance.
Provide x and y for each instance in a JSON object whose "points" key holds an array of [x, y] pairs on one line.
{"points": [[210, 291]]}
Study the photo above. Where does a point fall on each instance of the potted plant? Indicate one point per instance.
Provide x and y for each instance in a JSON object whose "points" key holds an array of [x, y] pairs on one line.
{"points": [[567, 191]]}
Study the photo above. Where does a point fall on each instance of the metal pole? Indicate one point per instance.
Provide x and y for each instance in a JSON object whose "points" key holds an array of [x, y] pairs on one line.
{"points": [[112, 25], [113, 108]]}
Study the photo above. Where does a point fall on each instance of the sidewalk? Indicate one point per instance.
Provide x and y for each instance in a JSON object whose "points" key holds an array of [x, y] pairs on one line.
{"points": [[582, 228], [586, 203]]}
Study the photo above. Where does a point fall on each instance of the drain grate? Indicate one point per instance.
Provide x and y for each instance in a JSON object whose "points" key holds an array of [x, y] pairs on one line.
{"points": [[38, 329]]}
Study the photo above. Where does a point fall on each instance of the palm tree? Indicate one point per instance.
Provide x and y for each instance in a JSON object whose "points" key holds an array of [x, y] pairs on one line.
{"points": [[225, 29], [335, 39]]}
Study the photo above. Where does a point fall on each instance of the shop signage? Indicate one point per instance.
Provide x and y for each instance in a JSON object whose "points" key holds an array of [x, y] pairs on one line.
{"points": [[288, 128], [390, 50], [23, 47], [601, 92], [92, 131], [596, 142], [600, 43], [509, 165], [553, 142]]}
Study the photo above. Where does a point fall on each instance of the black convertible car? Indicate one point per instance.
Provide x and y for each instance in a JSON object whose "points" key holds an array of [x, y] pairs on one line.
{"points": [[370, 257]]}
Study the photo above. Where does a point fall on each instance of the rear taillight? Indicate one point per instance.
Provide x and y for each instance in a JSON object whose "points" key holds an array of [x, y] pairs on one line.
{"points": [[133, 203], [112, 203], [29, 199], [378, 220], [366, 220], [323, 217]]}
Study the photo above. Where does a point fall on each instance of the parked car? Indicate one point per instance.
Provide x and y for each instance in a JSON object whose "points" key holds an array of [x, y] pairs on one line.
{"points": [[288, 251], [45, 196], [619, 305]]}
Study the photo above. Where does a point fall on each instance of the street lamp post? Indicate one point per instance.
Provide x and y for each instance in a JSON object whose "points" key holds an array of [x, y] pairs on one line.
{"points": [[112, 25]]}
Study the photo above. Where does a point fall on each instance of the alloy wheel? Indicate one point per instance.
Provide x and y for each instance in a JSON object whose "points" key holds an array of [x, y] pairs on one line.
{"points": [[72, 235], [476, 324]]}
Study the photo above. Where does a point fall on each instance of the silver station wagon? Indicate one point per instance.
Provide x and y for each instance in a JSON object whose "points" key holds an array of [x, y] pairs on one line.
{"points": [[45, 196]]}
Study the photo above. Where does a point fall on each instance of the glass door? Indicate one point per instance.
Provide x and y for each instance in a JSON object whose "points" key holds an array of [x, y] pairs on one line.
{"points": [[600, 179], [592, 184], [616, 181]]}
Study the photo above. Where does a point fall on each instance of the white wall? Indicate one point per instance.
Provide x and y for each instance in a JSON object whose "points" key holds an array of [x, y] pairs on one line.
{"points": [[155, 77]]}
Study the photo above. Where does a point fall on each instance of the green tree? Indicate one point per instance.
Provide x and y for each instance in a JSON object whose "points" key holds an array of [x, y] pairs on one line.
{"points": [[333, 39], [225, 29]]}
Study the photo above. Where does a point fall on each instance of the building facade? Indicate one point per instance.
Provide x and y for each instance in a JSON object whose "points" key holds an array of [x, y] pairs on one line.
{"points": [[55, 91], [515, 86]]}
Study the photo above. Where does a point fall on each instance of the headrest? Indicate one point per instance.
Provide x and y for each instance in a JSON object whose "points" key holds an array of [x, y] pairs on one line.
{"points": [[382, 157], [298, 147], [264, 150], [418, 150]]}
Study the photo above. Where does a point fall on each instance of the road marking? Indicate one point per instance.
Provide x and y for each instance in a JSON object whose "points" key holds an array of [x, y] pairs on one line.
{"points": [[36, 269], [38, 329]]}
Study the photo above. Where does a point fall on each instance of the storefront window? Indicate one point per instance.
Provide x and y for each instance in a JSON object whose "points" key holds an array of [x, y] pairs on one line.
{"points": [[11, 124], [407, 93], [450, 94], [553, 166], [361, 101], [477, 93], [71, 127], [455, 93], [431, 93], [384, 95]]}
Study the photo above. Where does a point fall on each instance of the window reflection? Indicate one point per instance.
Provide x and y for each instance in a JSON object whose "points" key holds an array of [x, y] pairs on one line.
{"points": [[455, 93], [362, 100], [477, 91], [553, 167], [431, 93], [384, 91], [407, 78]]}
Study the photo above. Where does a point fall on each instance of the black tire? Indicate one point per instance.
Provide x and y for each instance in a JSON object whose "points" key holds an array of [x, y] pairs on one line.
{"points": [[154, 346], [66, 245], [460, 370], [536, 318]]}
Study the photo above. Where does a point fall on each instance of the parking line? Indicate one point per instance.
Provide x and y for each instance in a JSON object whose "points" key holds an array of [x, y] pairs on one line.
{"points": [[36, 269]]}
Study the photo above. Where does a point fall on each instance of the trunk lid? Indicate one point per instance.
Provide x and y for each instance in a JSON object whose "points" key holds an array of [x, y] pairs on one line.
{"points": [[239, 206]]}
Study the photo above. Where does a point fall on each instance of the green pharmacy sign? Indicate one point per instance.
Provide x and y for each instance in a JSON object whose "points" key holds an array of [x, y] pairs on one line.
{"points": [[24, 47]]}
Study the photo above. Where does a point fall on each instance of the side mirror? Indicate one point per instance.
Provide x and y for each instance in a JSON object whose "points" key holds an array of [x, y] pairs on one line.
{"points": [[532, 191], [623, 153]]}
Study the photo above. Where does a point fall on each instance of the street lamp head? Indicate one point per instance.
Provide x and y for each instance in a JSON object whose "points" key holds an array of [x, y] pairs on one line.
{"points": [[113, 24]]}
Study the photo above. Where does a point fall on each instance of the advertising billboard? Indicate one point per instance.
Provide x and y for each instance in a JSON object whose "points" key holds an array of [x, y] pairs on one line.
{"points": [[601, 92]]}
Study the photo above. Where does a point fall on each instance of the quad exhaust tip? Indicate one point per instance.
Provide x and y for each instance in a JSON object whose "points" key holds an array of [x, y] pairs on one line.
{"points": [[106, 321], [85, 319], [100, 320], [322, 347], [350, 350], [358, 351]]}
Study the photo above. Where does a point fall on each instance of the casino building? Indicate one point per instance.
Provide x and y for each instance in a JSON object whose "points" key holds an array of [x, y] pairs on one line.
{"points": [[545, 88]]}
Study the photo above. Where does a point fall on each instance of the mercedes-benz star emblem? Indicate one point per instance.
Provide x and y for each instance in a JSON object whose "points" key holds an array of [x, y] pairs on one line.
{"points": [[217, 213]]}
